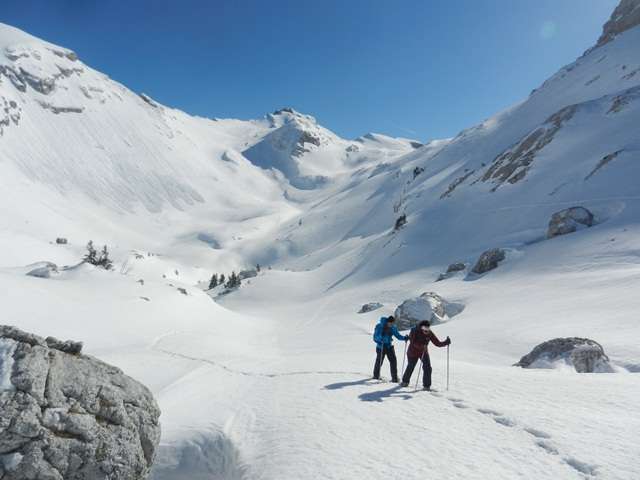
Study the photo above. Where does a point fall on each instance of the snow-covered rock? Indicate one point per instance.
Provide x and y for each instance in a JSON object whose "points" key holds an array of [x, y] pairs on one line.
{"points": [[64, 415], [569, 220], [489, 260], [452, 269], [42, 269], [428, 306], [585, 355], [250, 273], [370, 307]]}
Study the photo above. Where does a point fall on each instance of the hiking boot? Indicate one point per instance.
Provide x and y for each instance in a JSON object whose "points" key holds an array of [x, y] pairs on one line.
{"points": [[404, 384], [394, 380], [427, 389]]}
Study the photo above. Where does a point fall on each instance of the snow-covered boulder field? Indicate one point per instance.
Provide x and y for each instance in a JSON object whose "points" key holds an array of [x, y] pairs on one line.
{"points": [[583, 354], [569, 220], [65, 415], [428, 306]]}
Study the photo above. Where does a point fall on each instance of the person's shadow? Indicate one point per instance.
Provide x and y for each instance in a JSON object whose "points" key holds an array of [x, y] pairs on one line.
{"points": [[340, 385], [381, 395]]}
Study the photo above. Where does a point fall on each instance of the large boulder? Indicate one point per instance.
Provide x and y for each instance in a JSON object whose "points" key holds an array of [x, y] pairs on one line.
{"points": [[569, 220], [583, 354], [489, 260], [428, 306], [64, 415]]}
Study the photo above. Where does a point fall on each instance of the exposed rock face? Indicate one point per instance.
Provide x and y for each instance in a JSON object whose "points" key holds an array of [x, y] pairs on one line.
{"points": [[569, 221], [428, 306], [370, 307], [513, 164], [585, 355], [10, 112], [67, 416], [625, 16], [452, 269], [489, 260]]}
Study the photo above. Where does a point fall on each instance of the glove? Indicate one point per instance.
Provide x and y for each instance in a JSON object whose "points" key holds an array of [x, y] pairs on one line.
{"points": [[406, 337], [448, 341]]}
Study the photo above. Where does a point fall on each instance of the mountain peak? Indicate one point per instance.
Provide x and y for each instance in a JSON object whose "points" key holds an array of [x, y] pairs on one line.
{"points": [[624, 17]]}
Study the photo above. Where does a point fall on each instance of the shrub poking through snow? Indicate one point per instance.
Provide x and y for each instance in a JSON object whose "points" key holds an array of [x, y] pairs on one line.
{"points": [[569, 220], [98, 259], [583, 354], [489, 260]]}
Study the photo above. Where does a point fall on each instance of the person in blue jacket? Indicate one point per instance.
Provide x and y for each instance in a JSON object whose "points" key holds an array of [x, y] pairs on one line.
{"points": [[383, 336]]}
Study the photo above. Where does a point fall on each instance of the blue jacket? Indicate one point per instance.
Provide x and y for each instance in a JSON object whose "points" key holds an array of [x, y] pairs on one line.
{"points": [[383, 336]]}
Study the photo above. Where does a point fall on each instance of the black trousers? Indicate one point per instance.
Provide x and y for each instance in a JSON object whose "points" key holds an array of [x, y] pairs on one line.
{"points": [[390, 353], [426, 369]]}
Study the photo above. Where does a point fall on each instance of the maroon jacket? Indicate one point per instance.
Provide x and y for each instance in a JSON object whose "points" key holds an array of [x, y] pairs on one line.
{"points": [[418, 342]]}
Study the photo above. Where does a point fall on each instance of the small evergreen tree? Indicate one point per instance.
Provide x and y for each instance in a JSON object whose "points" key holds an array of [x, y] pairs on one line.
{"points": [[92, 255], [221, 280], [233, 281], [103, 260], [213, 283]]}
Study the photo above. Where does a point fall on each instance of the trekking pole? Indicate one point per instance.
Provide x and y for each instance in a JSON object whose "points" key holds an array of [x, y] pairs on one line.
{"points": [[404, 356], [447, 367]]}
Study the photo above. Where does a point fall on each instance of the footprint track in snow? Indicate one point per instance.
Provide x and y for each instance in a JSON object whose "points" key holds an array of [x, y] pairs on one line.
{"points": [[582, 467], [542, 440], [537, 433]]}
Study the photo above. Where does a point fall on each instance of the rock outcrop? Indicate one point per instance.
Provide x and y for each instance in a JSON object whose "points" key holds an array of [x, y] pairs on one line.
{"points": [[370, 307], [625, 16], [452, 269], [489, 260], [251, 273], [569, 220], [68, 416], [585, 355], [428, 306]]}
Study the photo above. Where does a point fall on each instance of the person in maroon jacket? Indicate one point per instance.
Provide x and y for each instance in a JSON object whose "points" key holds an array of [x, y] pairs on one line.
{"points": [[419, 338]]}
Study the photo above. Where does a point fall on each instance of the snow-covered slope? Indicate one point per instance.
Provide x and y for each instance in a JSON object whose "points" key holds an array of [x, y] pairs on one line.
{"points": [[108, 164], [271, 381], [574, 141]]}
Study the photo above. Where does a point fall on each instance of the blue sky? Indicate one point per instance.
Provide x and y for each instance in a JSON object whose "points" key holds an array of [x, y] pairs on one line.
{"points": [[418, 68]]}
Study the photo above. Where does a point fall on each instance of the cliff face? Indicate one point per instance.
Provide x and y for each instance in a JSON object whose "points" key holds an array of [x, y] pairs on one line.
{"points": [[625, 16]]}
